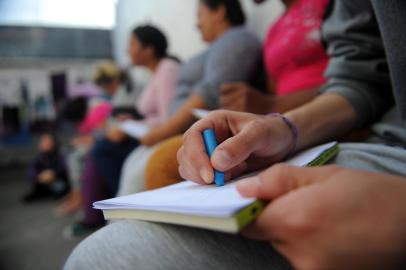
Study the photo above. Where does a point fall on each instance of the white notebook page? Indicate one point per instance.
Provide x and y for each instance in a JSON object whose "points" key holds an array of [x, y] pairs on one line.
{"points": [[194, 199]]}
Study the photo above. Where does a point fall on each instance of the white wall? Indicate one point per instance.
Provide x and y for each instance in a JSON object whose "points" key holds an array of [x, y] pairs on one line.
{"points": [[72, 13], [177, 18]]}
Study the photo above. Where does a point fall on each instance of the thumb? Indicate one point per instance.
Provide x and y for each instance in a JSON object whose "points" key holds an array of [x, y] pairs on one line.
{"points": [[281, 179]]}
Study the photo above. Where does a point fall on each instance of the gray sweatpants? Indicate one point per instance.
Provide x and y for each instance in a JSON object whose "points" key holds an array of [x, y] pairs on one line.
{"points": [[141, 245], [372, 157]]}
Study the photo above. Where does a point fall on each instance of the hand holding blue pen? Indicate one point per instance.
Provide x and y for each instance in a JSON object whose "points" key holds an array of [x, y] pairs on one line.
{"points": [[210, 144]]}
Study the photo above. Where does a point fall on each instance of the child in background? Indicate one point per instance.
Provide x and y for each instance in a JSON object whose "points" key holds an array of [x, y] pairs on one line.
{"points": [[118, 87], [90, 117], [47, 173]]}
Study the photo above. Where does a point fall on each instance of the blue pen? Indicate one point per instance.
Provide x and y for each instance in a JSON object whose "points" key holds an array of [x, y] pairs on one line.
{"points": [[210, 143]]}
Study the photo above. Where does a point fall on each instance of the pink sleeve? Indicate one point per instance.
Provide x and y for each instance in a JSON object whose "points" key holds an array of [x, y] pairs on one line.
{"points": [[157, 100], [96, 116], [145, 103], [293, 53]]}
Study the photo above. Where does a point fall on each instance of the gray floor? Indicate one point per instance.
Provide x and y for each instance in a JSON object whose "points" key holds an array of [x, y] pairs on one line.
{"points": [[31, 235]]}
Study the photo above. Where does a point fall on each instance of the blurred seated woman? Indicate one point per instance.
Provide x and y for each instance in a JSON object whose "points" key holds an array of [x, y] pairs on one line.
{"points": [[148, 48]]}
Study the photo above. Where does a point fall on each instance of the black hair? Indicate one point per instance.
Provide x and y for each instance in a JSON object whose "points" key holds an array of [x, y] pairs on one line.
{"points": [[150, 36], [234, 13], [75, 109]]}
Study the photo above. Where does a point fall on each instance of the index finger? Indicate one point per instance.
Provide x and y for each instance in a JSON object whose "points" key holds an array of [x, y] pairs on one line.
{"points": [[194, 159]]}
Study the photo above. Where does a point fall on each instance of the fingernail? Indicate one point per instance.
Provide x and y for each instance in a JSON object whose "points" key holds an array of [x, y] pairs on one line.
{"points": [[206, 175], [223, 159]]}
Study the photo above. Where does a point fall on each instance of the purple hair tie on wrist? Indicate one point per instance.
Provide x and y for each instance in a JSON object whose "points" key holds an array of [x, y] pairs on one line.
{"points": [[293, 128]]}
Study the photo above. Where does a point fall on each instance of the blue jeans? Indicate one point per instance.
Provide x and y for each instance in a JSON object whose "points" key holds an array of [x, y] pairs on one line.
{"points": [[109, 158]]}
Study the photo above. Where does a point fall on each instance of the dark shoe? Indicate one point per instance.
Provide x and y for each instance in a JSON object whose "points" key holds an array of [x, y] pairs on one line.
{"points": [[36, 194]]}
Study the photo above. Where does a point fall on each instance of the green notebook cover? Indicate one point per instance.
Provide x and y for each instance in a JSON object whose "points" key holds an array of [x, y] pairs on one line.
{"points": [[249, 213]]}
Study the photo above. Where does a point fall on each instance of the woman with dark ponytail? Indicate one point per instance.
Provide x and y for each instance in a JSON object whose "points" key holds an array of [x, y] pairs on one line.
{"points": [[148, 48]]}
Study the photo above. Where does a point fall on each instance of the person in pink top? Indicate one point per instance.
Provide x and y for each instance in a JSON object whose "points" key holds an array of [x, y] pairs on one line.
{"points": [[89, 115], [96, 117], [158, 94], [148, 48], [294, 60]]}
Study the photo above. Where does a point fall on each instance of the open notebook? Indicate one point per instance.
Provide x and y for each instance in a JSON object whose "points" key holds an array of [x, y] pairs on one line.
{"points": [[203, 206], [133, 128]]}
